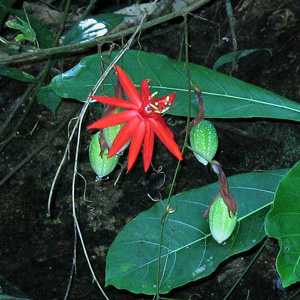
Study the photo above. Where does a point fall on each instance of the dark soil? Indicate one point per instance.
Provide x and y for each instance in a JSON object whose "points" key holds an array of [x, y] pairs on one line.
{"points": [[36, 252]]}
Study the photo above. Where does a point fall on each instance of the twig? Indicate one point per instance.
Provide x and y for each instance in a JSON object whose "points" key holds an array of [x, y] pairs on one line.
{"points": [[29, 106], [36, 150], [42, 54], [247, 269], [229, 11], [16, 105], [159, 279], [88, 9]]}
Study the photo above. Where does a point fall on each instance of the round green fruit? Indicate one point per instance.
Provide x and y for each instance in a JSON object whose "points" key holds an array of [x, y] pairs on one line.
{"points": [[204, 139], [101, 165], [221, 221]]}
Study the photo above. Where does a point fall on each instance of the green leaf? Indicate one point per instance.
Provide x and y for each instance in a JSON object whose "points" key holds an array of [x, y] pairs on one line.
{"points": [[92, 28], [283, 223], [27, 32], [223, 96], [49, 98], [44, 36], [236, 56], [16, 74], [188, 250]]}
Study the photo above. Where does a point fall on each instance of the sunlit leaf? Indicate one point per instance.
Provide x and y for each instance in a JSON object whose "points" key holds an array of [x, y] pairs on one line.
{"points": [[188, 250], [283, 223], [92, 28], [236, 56], [223, 96]]}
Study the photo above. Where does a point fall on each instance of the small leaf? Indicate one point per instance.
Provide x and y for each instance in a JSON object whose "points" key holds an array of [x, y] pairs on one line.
{"points": [[223, 96], [283, 223], [188, 250], [27, 31], [236, 56], [92, 28], [16, 74], [43, 35], [49, 98]]}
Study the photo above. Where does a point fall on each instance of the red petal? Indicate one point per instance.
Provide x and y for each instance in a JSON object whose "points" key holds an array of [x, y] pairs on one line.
{"points": [[124, 135], [163, 123], [171, 98], [145, 92], [148, 146], [113, 119], [164, 136], [136, 144], [115, 102], [128, 87]]}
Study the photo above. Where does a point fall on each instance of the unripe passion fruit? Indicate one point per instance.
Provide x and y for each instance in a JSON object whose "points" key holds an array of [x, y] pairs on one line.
{"points": [[204, 139], [221, 221], [110, 133], [101, 165]]}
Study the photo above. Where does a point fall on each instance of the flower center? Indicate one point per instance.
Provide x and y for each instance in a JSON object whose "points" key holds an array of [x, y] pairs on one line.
{"points": [[155, 106]]}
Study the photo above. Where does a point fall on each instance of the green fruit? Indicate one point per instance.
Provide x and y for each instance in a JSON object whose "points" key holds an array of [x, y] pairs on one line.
{"points": [[221, 221], [101, 165], [204, 139], [110, 133]]}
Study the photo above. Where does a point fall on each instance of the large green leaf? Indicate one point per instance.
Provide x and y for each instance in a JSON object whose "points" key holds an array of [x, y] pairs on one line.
{"points": [[283, 223], [188, 250], [224, 96]]}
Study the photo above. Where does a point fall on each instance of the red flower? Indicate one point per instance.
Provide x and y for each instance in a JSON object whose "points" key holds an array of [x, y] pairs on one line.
{"points": [[143, 119]]}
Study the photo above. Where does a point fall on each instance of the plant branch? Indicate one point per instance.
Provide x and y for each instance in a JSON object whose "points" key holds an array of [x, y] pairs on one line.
{"points": [[42, 54], [37, 150]]}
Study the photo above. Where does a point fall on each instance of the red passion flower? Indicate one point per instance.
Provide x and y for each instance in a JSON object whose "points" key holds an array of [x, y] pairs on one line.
{"points": [[142, 118]]}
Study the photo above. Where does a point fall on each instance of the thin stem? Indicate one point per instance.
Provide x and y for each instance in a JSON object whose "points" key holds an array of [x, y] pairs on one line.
{"points": [[159, 280], [15, 107], [294, 295], [229, 11], [35, 151], [247, 269], [29, 106]]}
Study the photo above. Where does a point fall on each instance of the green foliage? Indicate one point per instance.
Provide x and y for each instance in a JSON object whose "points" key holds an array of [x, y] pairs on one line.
{"points": [[43, 35], [49, 98], [92, 28], [27, 31], [16, 74], [188, 250], [283, 223], [235, 56], [223, 96]]}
